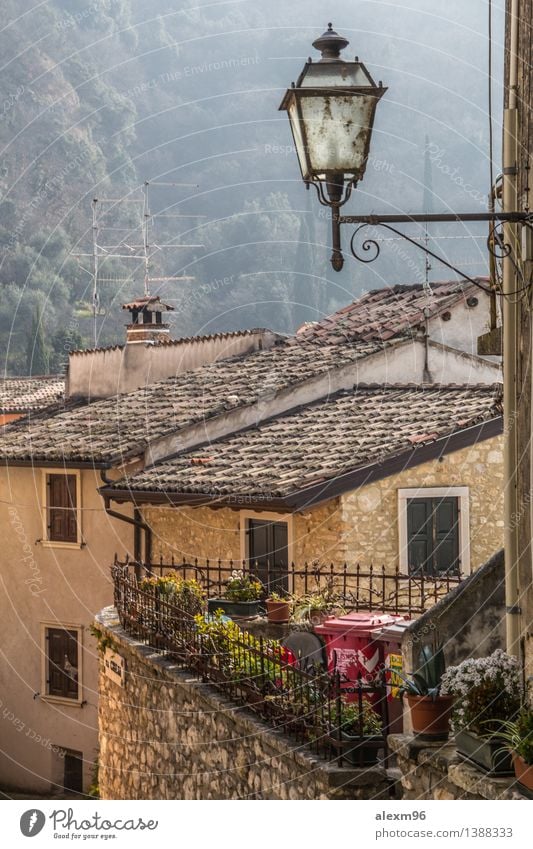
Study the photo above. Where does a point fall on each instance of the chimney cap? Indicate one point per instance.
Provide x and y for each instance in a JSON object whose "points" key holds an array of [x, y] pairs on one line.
{"points": [[148, 302]]}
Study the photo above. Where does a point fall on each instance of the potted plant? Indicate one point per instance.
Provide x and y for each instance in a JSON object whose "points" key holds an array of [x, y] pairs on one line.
{"points": [[314, 607], [241, 596], [278, 608], [518, 736], [357, 731], [486, 694], [430, 709]]}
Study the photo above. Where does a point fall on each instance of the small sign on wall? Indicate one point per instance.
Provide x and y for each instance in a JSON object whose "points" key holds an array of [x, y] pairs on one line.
{"points": [[115, 667]]}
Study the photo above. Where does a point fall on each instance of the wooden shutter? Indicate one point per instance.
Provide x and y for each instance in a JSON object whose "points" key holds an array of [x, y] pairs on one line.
{"points": [[62, 663], [268, 548], [419, 534], [62, 508], [433, 535], [446, 535]]}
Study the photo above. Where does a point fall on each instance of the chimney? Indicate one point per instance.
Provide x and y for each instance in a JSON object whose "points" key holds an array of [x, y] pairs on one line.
{"points": [[146, 320]]}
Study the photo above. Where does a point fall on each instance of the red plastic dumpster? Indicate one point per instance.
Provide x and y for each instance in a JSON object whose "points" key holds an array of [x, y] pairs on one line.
{"points": [[351, 648], [390, 637]]}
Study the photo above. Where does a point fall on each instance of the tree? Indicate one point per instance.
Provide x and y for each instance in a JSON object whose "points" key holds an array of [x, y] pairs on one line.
{"points": [[37, 354]]}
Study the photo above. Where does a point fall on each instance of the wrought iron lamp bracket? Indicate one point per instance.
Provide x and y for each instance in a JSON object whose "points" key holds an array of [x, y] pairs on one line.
{"points": [[370, 250]]}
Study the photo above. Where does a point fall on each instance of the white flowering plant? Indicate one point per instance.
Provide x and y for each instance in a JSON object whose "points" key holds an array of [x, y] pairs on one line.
{"points": [[241, 587], [486, 692]]}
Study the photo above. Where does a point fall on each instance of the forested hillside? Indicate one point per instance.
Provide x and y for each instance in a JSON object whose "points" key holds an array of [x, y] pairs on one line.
{"points": [[99, 96]]}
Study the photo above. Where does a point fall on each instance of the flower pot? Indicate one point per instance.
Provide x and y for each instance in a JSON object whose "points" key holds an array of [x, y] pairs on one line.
{"points": [[234, 608], [523, 773], [359, 751], [490, 756], [278, 611], [430, 717]]}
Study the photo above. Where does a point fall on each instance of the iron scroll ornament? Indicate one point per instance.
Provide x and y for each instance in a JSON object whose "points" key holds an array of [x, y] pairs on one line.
{"points": [[495, 244]]}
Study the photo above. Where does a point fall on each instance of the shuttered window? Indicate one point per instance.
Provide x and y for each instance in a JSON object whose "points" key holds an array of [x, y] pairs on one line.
{"points": [[62, 508], [433, 535], [268, 553], [62, 648]]}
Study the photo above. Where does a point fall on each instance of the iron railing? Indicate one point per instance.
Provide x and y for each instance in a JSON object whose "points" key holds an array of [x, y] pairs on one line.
{"points": [[354, 587], [306, 703]]}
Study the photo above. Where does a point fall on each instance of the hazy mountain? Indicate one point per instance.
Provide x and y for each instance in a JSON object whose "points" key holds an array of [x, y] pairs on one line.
{"points": [[98, 97]]}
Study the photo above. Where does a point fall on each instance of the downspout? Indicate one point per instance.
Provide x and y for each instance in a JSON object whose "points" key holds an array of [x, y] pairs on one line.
{"points": [[137, 523], [510, 339]]}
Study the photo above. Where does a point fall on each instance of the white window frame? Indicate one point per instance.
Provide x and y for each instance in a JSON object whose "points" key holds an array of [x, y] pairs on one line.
{"points": [[264, 516], [62, 626], [46, 541], [462, 493]]}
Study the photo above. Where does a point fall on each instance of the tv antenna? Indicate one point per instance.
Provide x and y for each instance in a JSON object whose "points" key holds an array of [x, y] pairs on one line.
{"points": [[124, 247]]}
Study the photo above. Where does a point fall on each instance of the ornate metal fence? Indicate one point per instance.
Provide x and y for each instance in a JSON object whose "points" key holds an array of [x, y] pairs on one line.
{"points": [[308, 705], [357, 588]]}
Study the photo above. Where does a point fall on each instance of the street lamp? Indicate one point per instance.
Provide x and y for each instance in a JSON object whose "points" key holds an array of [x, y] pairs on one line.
{"points": [[331, 112]]}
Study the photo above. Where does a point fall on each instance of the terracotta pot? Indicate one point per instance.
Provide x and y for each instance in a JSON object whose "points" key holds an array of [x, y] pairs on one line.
{"points": [[523, 772], [431, 717], [278, 611]]}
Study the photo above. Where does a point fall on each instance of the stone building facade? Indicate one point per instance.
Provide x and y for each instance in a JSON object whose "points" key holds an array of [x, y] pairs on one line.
{"points": [[362, 526]]}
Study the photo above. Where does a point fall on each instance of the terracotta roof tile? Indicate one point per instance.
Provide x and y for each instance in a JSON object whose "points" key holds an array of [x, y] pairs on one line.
{"points": [[323, 440], [386, 313], [30, 394], [117, 428]]}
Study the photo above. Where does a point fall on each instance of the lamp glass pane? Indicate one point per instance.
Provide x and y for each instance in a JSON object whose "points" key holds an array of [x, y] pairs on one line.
{"points": [[298, 138], [338, 128]]}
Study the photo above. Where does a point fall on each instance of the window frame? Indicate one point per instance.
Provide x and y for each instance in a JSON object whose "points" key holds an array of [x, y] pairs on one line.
{"points": [[46, 541], [264, 516], [45, 695], [462, 493]]}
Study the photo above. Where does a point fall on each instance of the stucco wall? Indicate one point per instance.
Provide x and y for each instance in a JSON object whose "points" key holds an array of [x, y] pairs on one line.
{"points": [[108, 371], [165, 735], [359, 527], [40, 584]]}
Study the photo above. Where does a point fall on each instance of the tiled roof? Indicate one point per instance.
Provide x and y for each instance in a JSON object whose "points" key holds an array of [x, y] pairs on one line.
{"points": [[114, 429], [30, 394], [183, 340], [322, 441], [387, 313]]}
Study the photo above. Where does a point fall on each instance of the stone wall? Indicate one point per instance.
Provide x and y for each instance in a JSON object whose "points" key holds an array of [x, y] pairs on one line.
{"points": [[435, 771], [166, 735], [360, 527], [469, 621], [369, 516]]}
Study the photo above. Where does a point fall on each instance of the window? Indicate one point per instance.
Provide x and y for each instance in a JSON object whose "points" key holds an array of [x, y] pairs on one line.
{"points": [[62, 663], [268, 552], [62, 504], [434, 533]]}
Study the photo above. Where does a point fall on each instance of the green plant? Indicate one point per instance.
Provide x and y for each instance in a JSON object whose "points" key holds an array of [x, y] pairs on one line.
{"points": [[486, 690], [241, 587], [518, 734], [323, 599], [427, 680], [185, 593], [357, 722], [277, 597]]}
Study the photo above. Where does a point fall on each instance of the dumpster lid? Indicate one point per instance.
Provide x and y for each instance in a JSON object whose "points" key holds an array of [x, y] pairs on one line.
{"points": [[392, 631], [361, 620]]}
